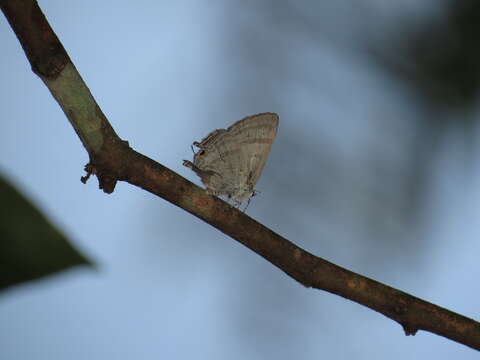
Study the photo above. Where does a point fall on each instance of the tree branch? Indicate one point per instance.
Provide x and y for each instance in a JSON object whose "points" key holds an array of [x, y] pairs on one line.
{"points": [[112, 160]]}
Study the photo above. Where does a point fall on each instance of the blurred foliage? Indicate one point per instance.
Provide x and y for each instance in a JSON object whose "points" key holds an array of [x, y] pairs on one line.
{"points": [[448, 57], [30, 247], [439, 56]]}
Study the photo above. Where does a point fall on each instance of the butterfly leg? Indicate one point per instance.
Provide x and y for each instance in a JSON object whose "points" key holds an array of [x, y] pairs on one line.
{"points": [[248, 203]]}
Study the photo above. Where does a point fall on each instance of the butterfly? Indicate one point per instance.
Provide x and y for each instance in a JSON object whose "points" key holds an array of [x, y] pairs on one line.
{"points": [[230, 161]]}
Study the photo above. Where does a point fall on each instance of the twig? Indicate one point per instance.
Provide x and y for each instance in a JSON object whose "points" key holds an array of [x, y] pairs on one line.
{"points": [[112, 160]]}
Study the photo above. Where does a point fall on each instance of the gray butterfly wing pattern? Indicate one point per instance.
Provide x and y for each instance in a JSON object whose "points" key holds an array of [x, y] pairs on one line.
{"points": [[230, 161], [258, 133], [217, 162]]}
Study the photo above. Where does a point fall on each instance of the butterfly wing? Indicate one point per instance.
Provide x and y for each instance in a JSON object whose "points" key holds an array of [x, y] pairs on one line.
{"points": [[218, 161], [231, 161], [258, 133]]}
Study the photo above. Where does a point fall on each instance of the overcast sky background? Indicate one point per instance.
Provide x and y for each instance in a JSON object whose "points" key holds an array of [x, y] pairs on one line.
{"points": [[342, 181]]}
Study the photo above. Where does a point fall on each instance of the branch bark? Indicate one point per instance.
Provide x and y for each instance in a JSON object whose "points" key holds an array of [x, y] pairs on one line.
{"points": [[112, 160]]}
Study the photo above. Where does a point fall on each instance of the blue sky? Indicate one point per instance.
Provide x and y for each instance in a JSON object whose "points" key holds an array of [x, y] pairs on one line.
{"points": [[168, 285]]}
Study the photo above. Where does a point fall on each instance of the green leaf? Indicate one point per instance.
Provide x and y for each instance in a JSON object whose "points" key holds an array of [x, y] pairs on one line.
{"points": [[30, 246]]}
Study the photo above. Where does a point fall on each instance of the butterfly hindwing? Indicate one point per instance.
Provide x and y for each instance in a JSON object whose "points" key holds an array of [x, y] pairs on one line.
{"points": [[259, 134]]}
